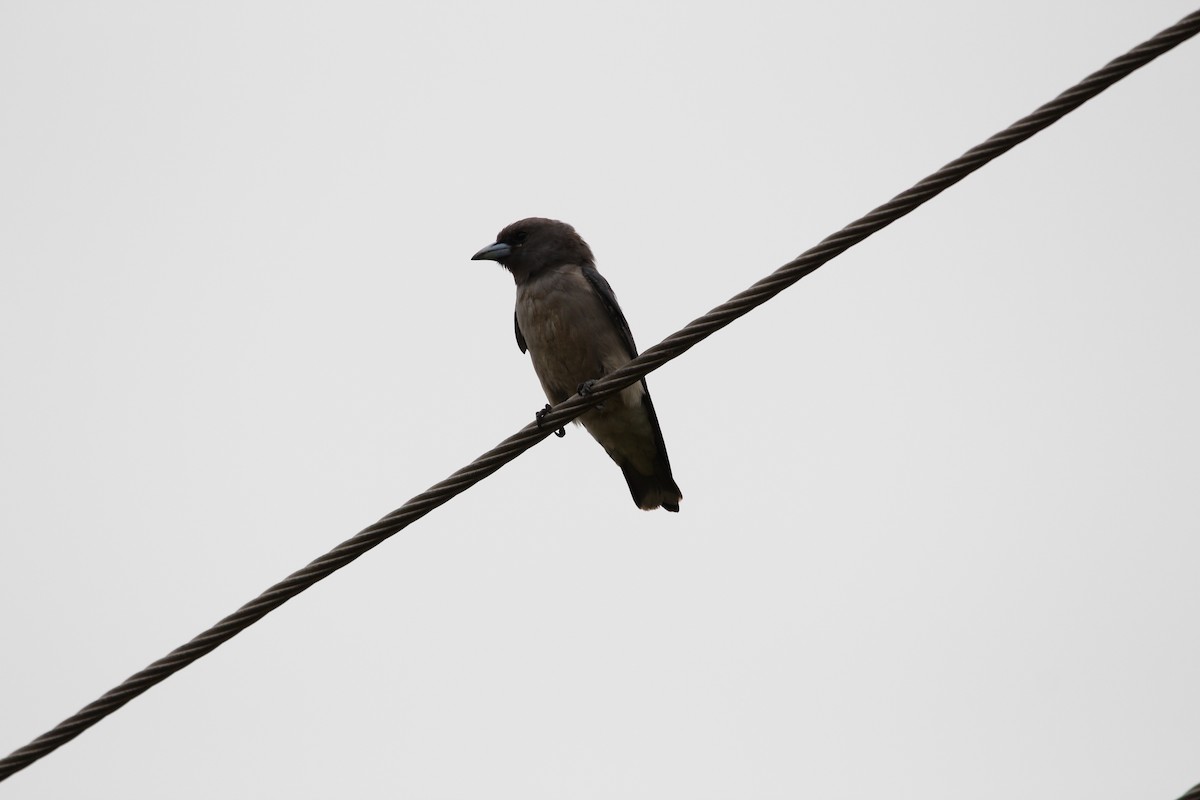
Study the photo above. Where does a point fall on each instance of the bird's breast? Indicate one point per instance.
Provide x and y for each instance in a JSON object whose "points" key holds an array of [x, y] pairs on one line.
{"points": [[569, 333]]}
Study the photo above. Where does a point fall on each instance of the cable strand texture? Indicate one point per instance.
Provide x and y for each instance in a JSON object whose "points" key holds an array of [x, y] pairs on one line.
{"points": [[670, 348]]}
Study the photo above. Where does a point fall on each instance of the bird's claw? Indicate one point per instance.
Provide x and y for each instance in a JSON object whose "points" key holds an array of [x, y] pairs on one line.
{"points": [[585, 390], [541, 416]]}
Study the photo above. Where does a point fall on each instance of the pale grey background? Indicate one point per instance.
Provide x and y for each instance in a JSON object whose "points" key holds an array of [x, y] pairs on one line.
{"points": [[939, 535]]}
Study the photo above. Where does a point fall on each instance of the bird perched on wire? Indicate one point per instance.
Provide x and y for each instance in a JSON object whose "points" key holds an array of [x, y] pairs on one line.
{"points": [[568, 319]]}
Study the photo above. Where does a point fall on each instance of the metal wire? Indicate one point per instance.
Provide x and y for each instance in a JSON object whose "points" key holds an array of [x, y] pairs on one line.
{"points": [[671, 347]]}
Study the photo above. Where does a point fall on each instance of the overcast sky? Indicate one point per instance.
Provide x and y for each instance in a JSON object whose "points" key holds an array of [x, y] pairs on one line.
{"points": [[941, 516]]}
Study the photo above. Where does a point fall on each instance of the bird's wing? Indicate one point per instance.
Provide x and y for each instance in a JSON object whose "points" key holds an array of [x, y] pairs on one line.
{"points": [[605, 293], [520, 336]]}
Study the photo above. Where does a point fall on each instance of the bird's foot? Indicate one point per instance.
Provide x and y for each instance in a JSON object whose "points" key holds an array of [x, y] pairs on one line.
{"points": [[541, 416], [584, 389]]}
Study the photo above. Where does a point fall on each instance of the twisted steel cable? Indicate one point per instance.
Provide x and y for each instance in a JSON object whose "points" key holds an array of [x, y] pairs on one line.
{"points": [[671, 347]]}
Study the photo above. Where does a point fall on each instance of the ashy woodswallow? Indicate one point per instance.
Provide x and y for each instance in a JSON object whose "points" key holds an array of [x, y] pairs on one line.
{"points": [[568, 319]]}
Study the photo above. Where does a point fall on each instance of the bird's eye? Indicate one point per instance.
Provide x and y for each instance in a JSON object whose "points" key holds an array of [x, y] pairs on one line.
{"points": [[520, 237]]}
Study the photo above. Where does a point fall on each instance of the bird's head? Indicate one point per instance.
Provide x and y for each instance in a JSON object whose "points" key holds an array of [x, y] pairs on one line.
{"points": [[529, 246]]}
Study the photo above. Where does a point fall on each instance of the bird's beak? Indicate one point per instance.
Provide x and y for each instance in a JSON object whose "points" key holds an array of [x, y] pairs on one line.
{"points": [[493, 252]]}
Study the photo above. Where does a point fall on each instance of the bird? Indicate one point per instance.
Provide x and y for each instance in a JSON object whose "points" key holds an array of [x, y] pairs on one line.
{"points": [[568, 319]]}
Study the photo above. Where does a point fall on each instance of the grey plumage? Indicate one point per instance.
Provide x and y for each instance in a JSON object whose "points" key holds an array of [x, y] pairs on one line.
{"points": [[568, 319]]}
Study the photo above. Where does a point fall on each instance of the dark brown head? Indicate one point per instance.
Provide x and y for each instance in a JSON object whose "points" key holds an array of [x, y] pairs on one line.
{"points": [[527, 247]]}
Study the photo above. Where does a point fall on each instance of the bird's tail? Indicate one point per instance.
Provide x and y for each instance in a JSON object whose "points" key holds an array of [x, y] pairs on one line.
{"points": [[653, 491], [658, 489]]}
